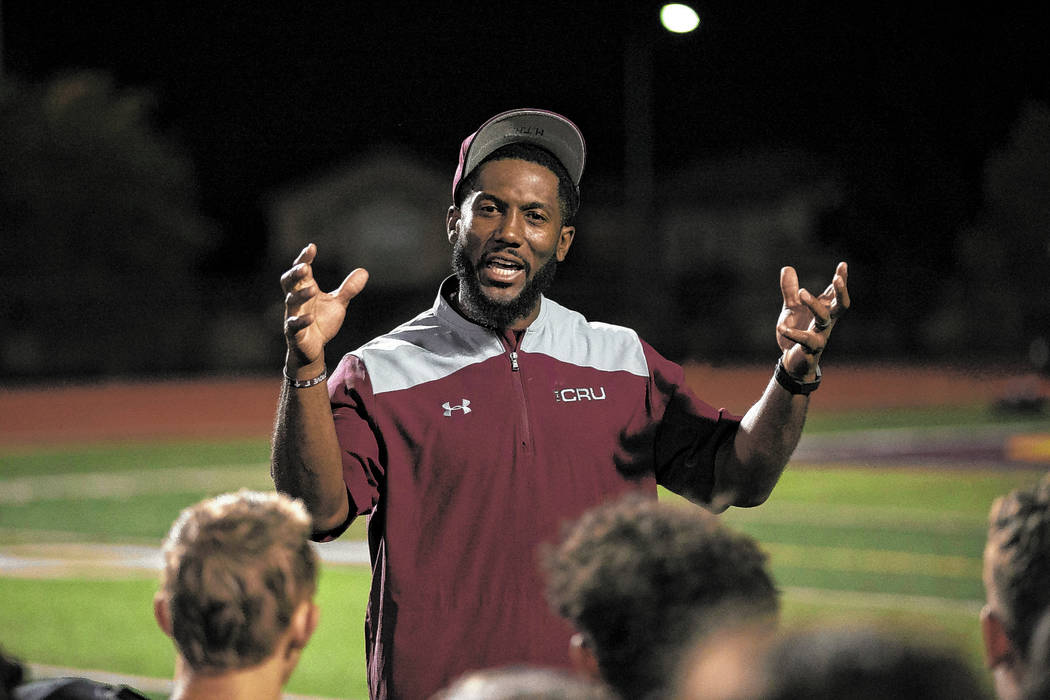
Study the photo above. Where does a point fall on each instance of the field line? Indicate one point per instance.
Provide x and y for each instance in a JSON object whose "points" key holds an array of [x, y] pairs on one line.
{"points": [[879, 561], [863, 516], [883, 601], [64, 559], [58, 487]]}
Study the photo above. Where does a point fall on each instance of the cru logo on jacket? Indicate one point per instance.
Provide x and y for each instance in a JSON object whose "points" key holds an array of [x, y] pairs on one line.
{"points": [[579, 394]]}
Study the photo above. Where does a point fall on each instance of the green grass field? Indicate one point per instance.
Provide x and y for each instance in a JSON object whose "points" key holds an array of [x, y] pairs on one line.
{"points": [[861, 543]]}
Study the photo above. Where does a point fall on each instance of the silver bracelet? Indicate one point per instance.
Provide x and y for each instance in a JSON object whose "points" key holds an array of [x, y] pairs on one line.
{"points": [[306, 383]]}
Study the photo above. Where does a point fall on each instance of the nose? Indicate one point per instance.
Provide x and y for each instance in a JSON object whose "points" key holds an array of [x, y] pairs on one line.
{"points": [[512, 229]]}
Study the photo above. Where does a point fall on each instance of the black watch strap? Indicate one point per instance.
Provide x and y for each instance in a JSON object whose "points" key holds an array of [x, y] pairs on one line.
{"points": [[793, 385]]}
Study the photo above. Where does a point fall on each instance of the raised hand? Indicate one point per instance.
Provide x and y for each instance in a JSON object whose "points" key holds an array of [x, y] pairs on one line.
{"points": [[313, 317], [806, 321]]}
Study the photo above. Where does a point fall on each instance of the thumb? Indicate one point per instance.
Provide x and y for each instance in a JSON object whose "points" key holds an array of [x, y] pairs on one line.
{"points": [[351, 286], [789, 285]]}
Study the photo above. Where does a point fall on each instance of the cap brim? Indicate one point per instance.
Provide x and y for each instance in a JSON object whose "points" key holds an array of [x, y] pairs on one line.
{"points": [[548, 130]]}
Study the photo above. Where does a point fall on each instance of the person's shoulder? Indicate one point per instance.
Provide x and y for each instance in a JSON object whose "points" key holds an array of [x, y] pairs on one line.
{"points": [[74, 689], [568, 336], [561, 317]]}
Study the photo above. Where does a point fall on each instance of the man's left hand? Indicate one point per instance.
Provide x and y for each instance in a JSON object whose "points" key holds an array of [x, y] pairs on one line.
{"points": [[806, 321]]}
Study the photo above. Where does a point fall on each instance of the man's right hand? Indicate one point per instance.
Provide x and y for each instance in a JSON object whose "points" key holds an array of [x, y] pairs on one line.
{"points": [[313, 317]]}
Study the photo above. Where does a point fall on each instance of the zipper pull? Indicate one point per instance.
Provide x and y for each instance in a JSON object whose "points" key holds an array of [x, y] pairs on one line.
{"points": [[513, 360]]}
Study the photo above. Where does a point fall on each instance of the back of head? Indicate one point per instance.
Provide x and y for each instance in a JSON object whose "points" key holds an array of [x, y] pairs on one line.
{"points": [[1036, 684], [833, 663], [235, 569], [1018, 561], [637, 577], [524, 683]]}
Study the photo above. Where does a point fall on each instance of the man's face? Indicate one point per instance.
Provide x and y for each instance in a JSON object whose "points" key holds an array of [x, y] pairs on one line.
{"points": [[507, 240]]}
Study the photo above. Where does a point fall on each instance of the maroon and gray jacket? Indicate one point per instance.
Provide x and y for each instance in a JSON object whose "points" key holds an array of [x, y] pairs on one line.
{"points": [[469, 449]]}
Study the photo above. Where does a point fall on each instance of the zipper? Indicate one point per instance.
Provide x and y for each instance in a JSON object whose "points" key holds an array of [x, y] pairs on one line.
{"points": [[515, 368]]}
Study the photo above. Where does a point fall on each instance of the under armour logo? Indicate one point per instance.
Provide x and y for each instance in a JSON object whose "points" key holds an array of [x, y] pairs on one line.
{"points": [[449, 408]]}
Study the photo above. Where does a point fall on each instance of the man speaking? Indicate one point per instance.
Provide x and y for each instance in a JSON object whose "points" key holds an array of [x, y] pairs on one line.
{"points": [[471, 432]]}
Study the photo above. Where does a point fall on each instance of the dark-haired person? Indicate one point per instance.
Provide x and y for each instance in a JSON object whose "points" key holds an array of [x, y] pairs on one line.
{"points": [[828, 662], [470, 432], [236, 595], [640, 579], [1016, 582]]}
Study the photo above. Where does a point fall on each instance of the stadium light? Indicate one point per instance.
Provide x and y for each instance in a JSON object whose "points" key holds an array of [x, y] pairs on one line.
{"points": [[678, 18]]}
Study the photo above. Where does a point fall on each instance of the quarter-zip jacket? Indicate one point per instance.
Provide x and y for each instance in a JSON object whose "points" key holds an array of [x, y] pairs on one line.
{"points": [[469, 454]]}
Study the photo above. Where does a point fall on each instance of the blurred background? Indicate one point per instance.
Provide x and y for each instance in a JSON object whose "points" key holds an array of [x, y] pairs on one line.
{"points": [[162, 163]]}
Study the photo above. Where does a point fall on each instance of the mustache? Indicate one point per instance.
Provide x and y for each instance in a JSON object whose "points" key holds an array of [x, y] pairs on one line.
{"points": [[506, 254]]}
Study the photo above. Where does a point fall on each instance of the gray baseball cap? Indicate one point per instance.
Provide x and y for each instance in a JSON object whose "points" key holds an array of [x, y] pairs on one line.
{"points": [[541, 127]]}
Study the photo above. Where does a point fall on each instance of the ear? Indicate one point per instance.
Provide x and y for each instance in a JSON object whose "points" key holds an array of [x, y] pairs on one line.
{"points": [[565, 241], [997, 646], [304, 622], [452, 222], [584, 662], [160, 612]]}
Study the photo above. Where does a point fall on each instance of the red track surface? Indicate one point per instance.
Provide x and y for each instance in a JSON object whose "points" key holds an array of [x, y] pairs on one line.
{"points": [[214, 408]]}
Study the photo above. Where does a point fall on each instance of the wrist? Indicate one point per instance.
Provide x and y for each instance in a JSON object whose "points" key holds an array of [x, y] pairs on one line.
{"points": [[795, 385], [302, 376]]}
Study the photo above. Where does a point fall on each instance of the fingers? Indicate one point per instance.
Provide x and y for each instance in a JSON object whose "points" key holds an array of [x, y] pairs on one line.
{"points": [[813, 342], [839, 283], [301, 273], [820, 309], [307, 254], [294, 324], [789, 286], [351, 286], [832, 302]]}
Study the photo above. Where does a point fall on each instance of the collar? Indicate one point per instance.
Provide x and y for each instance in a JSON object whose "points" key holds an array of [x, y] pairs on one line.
{"points": [[444, 309]]}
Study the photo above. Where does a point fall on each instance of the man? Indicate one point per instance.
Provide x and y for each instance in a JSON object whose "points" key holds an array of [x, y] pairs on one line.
{"points": [[641, 579], [236, 595], [469, 433], [1016, 582]]}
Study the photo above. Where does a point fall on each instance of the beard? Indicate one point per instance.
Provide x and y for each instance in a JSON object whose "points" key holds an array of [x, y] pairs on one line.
{"points": [[484, 311]]}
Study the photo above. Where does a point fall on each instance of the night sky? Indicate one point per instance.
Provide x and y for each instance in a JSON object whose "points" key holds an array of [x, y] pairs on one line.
{"points": [[263, 94]]}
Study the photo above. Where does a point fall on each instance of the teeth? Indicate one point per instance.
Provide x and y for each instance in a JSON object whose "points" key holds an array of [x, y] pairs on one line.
{"points": [[505, 264]]}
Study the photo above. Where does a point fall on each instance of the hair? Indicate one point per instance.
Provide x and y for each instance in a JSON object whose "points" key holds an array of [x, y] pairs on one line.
{"points": [[637, 576], [1036, 684], [12, 673], [568, 193], [1019, 532], [833, 662], [524, 683], [235, 569]]}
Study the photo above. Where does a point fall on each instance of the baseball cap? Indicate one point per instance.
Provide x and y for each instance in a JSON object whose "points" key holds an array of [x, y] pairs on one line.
{"points": [[541, 127]]}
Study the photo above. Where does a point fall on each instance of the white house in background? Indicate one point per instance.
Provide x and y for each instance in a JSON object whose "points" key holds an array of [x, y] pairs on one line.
{"points": [[383, 211]]}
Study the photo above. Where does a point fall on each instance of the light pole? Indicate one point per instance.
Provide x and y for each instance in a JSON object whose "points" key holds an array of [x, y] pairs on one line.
{"points": [[639, 174], [639, 136]]}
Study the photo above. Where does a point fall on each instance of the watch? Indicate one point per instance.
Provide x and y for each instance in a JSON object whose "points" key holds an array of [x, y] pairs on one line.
{"points": [[793, 385]]}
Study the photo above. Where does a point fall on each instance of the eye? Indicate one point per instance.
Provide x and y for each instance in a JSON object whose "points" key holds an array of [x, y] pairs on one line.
{"points": [[536, 216]]}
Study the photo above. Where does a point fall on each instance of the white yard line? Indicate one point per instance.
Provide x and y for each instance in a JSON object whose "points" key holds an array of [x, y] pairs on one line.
{"points": [[126, 484], [49, 559], [868, 517], [883, 601]]}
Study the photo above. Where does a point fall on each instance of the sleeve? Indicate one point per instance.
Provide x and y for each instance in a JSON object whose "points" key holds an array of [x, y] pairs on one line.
{"points": [[689, 432], [360, 440]]}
